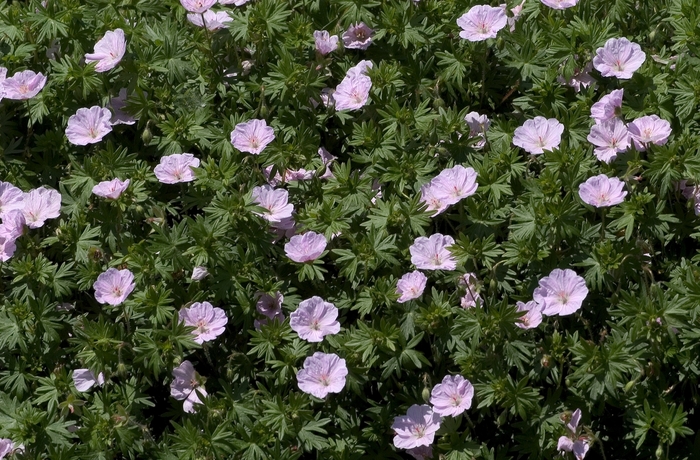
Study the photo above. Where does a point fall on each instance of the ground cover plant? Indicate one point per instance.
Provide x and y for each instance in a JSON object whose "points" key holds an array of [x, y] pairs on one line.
{"points": [[347, 229]]}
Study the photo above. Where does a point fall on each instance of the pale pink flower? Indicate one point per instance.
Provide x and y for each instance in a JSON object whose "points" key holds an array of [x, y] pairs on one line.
{"points": [[6, 447], [23, 85], [352, 93], [323, 373], [197, 6], [432, 253], [119, 116], [416, 428], [602, 191], [186, 386], [286, 227], [482, 22], [176, 168], [325, 42], [314, 319], [619, 58], [7, 248], [560, 4], [12, 225], [580, 78], [252, 136], [517, 11], [573, 442], [210, 19], [478, 125], [471, 296], [610, 138], [434, 200], [608, 107], [358, 36], [109, 50], [454, 184], [209, 322], [532, 318], [561, 292], [411, 286], [453, 396], [84, 379], [110, 188], [40, 204], [274, 201], [306, 247], [360, 68], [421, 452], [538, 135], [649, 130], [114, 286], [11, 198], [89, 126], [199, 273]]}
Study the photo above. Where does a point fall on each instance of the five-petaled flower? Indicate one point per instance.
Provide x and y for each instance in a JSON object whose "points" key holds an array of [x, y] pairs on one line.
{"points": [[649, 130], [560, 4], [602, 191], [610, 138], [305, 248], [197, 6], [608, 107], [210, 19], [252, 136], [111, 189], [453, 396], [358, 36], [114, 286], [416, 428], [186, 386], [538, 135], [325, 42], [314, 319], [618, 58], [209, 321], [432, 253], [573, 442], [532, 317], [176, 168], [109, 50], [23, 85], [40, 204], [482, 22], [411, 286], [323, 373], [274, 201], [561, 292], [89, 126]]}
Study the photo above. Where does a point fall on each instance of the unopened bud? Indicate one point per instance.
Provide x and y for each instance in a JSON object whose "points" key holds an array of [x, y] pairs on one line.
{"points": [[146, 135], [426, 394]]}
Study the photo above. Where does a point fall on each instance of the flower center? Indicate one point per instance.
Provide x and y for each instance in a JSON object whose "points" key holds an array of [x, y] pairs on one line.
{"points": [[254, 142], [117, 291], [456, 400], [563, 297], [419, 430], [315, 325], [324, 380], [24, 89]]}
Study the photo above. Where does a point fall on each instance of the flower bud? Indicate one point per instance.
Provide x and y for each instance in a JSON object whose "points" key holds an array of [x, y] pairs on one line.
{"points": [[426, 394], [146, 135]]}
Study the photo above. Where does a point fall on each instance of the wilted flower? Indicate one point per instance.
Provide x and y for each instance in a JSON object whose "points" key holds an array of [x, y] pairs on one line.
{"points": [[210, 19], [471, 296], [323, 373], [306, 247], [84, 379], [538, 135], [610, 138], [197, 6], [618, 58], [602, 191], [325, 42], [649, 130], [268, 305], [691, 192], [252, 136], [118, 103], [561, 293], [421, 452], [110, 188], [114, 286], [186, 387], [11, 198], [411, 286], [432, 253], [453, 396], [581, 77], [532, 318], [326, 158], [478, 125], [517, 11], [176, 168], [352, 93], [23, 85], [275, 201], [40, 204], [560, 4], [314, 319], [358, 36], [209, 322], [573, 443], [89, 126], [482, 22], [199, 273], [608, 107], [416, 428], [109, 50]]}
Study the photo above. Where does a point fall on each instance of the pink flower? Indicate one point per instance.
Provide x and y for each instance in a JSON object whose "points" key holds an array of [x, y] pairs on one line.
{"points": [[454, 184], [326, 158], [618, 58], [176, 168], [275, 202], [23, 85], [434, 200], [286, 227], [560, 4], [118, 103], [471, 296], [306, 247], [210, 19], [114, 286], [40, 204], [561, 293], [12, 225], [323, 373], [6, 446], [352, 93], [7, 248], [84, 379], [432, 253], [325, 43], [411, 286], [421, 452], [573, 443], [517, 11], [649, 130], [199, 273], [109, 50], [608, 107], [358, 36], [89, 126], [315, 319], [581, 77], [186, 386], [610, 138], [478, 125], [416, 428], [482, 22], [602, 191], [252, 136], [538, 135], [453, 396], [110, 188], [11, 198], [197, 6], [209, 322], [532, 318]]}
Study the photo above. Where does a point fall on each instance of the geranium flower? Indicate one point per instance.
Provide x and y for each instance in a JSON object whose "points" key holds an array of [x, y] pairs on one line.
{"points": [[314, 319], [602, 191], [270, 307], [618, 58], [517, 11], [209, 322], [478, 125], [532, 318], [352, 93], [40, 204], [197, 6], [89, 126], [454, 184], [421, 452], [23, 85], [608, 107], [114, 286], [573, 443], [649, 130], [7, 248], [119, 116], [453, 396], [176, 168], [275, 201], [199, 273], [110, 188], [432, 253], [435, 202], [11, 198], [12, 225], [580, 78], [252, 136], [109, 50], [323, 373], [416, 428], [286, 227], [411, 286], [560, 293], [306, 247], [691, 192], [610, 138], [538, 135], [210, 19], [325, 42], [327, 159], [560, 4], [5, 447], [358, 36], [84, 379], [482, 22], [186, 386], [471, 296]]}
